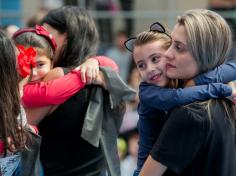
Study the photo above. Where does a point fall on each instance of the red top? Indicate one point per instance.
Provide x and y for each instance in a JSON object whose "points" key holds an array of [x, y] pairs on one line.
{"points": [[59, 90], [1, 147]]}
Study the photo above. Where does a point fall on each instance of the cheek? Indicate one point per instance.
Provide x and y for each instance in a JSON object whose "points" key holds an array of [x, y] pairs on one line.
{"points": [[142, 74], [187, 68], [43, 72]]}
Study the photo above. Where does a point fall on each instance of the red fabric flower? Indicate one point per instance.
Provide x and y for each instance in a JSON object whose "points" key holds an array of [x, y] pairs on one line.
{"points": [[40, 30], [26, 60]]}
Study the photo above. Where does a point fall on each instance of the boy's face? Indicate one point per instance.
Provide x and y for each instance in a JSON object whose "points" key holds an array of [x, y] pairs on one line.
{"points": [[151, 62], [43, 66]]}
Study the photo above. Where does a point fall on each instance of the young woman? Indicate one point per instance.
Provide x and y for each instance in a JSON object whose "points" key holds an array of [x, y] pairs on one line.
{"points": [[200, 137]]}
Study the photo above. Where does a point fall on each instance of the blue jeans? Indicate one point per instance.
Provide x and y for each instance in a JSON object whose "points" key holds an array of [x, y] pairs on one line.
{"points": [[18, 169], [136, 172]]}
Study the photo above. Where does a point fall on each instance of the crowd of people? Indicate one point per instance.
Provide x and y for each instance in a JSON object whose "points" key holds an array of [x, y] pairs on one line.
{"points": [[62, 105]]}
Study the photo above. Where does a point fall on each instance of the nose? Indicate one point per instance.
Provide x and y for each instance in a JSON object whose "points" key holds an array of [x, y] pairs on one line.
{"points": [[34, 72], [150, 67], [169, 54]]}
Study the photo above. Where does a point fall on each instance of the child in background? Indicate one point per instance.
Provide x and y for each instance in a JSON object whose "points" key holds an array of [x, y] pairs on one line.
{"points": [[148, 50]]}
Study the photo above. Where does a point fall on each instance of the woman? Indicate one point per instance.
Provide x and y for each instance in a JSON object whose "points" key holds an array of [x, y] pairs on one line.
{"points": [[198, 139], [63, 150], [19, 147]]}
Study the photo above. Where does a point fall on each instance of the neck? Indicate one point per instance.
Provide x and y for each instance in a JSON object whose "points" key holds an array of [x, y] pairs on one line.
{"points": [[189, 82]]}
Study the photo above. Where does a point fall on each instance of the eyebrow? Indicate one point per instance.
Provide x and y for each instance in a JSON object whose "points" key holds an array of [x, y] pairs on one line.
{"points": [[153, 54], [140, 61], [179, 42]]}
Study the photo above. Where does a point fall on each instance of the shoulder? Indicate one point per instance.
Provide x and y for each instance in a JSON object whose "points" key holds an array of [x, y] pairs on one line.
{"points": [[192, 114]]}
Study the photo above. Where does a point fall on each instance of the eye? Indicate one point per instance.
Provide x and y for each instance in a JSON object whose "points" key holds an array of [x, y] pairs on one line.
{"points": [[179, 47], [40, 64], [141, 66], [156, 59]]}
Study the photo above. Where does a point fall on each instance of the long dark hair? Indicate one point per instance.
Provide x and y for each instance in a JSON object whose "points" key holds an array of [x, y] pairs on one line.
{"points": [[9, 96], [82, 35]]}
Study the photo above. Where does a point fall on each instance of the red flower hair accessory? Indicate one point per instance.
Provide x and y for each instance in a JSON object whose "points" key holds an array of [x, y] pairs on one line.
{"points": [[40, 30], [26, 60]]}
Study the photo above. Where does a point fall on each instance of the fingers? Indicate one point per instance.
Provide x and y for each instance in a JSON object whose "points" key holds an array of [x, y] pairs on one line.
{"points": [[83, 74], [91, 75], [11, 145], [88, 75], [89, 71]]}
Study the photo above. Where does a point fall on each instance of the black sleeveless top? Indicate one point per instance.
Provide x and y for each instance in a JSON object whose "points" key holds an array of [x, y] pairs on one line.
{"points": [[63, 151]]}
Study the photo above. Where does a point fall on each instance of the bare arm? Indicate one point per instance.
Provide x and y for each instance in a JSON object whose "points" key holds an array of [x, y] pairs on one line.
{"points": [[152, 168]]}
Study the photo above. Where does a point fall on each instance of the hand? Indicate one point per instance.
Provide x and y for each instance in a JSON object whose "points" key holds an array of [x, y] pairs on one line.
{"points": [[89, 70], [100, 80], [232, 97]]}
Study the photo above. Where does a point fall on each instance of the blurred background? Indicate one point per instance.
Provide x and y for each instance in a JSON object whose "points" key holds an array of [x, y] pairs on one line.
{"points": [[112, 16], [117, 20]]}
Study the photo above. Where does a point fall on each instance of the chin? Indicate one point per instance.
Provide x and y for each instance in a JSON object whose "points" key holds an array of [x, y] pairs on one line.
{"points": [[172, 75]]}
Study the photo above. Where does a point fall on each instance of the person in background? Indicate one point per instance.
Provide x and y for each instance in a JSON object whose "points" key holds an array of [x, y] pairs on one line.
{"points": [[127, 6], [131, 115], [226, 9], [36, 18], [128, 164], [10, 29], [120, 55]]}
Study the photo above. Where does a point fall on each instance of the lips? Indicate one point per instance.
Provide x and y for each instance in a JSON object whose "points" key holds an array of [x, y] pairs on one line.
{"points": [[168, 66], [155, 77]]}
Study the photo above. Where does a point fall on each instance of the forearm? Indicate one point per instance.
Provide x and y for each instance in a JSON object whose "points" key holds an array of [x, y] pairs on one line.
{"points": [[223, 73], [59, 90], [52, 92], [152, 168], [36, 115], [165, 99]]}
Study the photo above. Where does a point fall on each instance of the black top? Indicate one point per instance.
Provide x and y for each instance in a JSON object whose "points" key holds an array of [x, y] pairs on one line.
{"points": [[63, 151], [191, 144]]}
